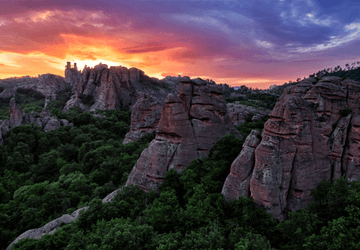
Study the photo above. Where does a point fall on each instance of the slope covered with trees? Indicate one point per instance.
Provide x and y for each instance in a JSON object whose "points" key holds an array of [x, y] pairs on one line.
{"points": [[44, 175]]}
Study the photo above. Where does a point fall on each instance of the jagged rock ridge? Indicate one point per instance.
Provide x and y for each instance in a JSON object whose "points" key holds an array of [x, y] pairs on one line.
{"points": [[112, 88], [190, 124], [312, 135]]}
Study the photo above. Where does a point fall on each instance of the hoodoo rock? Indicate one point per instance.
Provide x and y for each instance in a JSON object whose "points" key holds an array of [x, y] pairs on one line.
{"points": [[189, 126], [312, 135], [16, 114], [145, 116], [72, 75]]}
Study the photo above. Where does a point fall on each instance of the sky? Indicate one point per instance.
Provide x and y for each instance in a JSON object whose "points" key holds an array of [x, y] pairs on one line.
{"points": [[257, 43]]}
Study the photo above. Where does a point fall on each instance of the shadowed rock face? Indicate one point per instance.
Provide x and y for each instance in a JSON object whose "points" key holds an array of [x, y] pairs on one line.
{"points": [[189, 126], [145, 116], [111, 87], [48, 85], [306, 140], [238, 113]]}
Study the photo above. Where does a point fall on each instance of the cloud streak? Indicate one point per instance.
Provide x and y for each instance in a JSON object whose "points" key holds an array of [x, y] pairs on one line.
{"points": [[257, 43]]}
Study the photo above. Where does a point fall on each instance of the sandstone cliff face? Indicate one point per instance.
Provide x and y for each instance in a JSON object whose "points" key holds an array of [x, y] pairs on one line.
{"points": [[110, 87], [190, 124], [238, 113], [309, 137], [238, 181], [145, 116], [115, 87]]}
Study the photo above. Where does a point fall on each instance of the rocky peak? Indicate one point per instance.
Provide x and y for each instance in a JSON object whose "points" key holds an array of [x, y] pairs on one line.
{"points": [[190, 125], [312, 135]]}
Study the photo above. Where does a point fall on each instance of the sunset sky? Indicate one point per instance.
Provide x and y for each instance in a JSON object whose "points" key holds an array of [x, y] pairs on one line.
{"points": [[257, 43]]}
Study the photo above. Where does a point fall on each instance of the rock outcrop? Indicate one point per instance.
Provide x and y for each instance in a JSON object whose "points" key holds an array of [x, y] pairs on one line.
{"points": [[189, 126], [238, 181], [238, 113], [18, 117], [72, 75], [110, 87], [145, 117], [48, 85], [16, 114], [8, 92], [49, 228], [115, 87], [312, 135]]}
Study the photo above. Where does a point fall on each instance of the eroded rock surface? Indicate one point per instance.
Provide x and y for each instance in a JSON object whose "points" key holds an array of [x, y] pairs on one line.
{"points": [[238, 113], [48, 85], [189, 126], [312, 135], [238, 181], [49, 228], [145, 117]]}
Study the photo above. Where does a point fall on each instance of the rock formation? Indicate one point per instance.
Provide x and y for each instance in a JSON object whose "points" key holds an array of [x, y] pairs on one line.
{"points": [[8, 92], [190, 124], [115, 87], [238, 181], [145, 116], [312, 135], [16, 114], [49, 228], [238, 113], [72, 75], [48, 85], [110, 87], [18, 117]]}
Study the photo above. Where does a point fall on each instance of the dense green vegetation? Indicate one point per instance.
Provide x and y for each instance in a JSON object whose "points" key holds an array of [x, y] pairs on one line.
{"points": [[44, 175], [62, 97], [27, 99], [256, 100]]}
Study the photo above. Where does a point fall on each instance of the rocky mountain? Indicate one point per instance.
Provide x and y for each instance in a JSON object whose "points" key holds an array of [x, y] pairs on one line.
{"points": [[312, 135]]}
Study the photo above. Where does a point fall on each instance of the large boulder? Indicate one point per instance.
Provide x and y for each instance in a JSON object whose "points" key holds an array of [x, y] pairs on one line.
{"points": [[189, 126], [50, 227], [312, 135]]}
